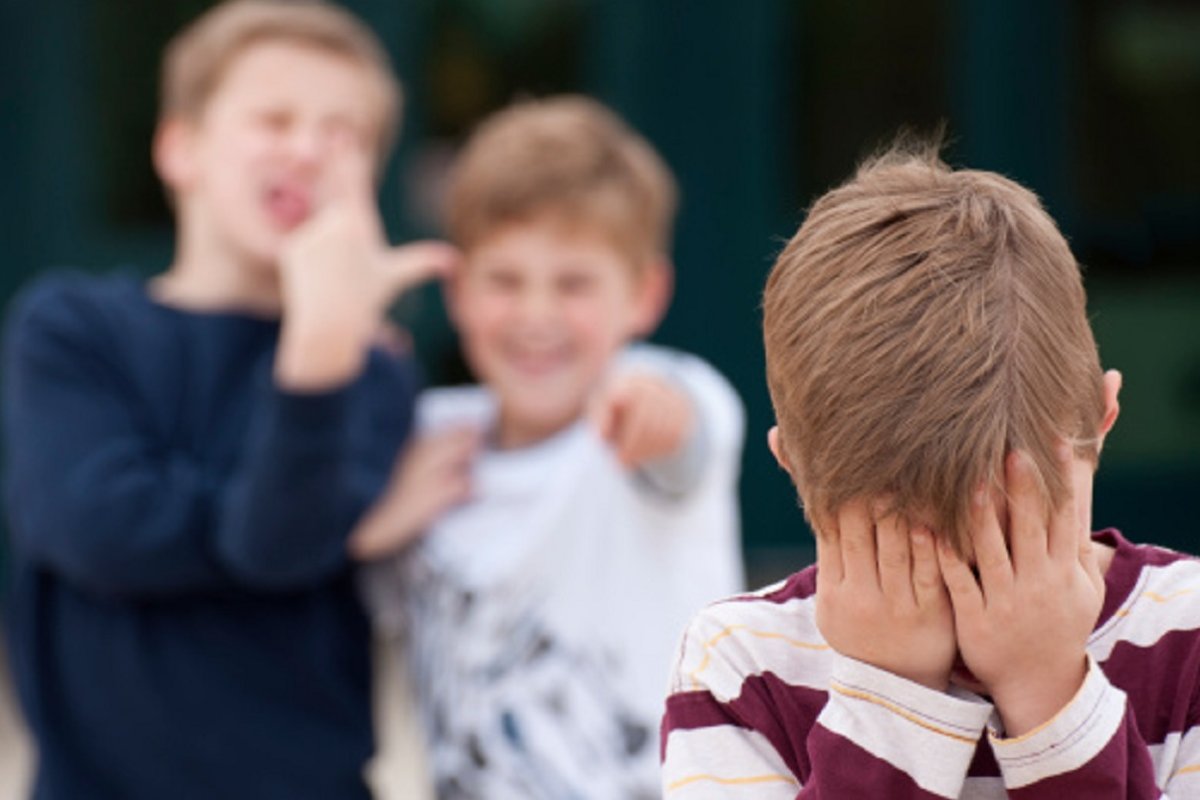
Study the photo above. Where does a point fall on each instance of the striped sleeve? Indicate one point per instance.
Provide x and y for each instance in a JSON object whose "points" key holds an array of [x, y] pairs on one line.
{"points": [[1133, 729], [737, 723], [1091, 748]]}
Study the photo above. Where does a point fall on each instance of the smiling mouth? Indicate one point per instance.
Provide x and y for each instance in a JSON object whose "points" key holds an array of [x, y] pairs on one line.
{"points": [[539, 363]]}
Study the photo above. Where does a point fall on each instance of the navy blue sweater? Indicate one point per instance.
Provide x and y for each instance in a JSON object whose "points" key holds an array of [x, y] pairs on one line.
{"points": [[183, 620]]}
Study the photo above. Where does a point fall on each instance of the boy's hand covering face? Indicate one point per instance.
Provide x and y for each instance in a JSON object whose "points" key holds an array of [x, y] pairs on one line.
{"points": [[339, 275], [643, 417], [431, 476], [1022, 627], [880, 595]]}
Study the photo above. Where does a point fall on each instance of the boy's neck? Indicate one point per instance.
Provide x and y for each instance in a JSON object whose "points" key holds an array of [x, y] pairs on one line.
{"points": [[510, 434], [213, 279]]}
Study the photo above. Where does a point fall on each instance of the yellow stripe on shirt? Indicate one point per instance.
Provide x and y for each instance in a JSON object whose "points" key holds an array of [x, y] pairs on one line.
{"points": [[747, 781]]}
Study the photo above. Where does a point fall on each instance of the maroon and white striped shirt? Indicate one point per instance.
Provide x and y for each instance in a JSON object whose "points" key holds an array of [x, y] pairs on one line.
{"points": [[761, 707]]}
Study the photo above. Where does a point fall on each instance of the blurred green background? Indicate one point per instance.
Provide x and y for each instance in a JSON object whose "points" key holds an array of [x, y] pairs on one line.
{"points": [[759, 106]]}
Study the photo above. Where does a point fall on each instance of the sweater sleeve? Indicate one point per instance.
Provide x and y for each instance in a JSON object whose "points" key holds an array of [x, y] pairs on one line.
{"points": [[1091, 748], [725, 731], [282, 518], [96, 498]]}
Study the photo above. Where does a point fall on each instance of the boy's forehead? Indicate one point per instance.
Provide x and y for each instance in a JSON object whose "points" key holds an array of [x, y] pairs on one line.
{"points": [[553, 236], [283, 70]]}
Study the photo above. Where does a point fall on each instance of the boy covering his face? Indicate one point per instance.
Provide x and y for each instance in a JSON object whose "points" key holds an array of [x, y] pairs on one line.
{"points": [[941, 409]]}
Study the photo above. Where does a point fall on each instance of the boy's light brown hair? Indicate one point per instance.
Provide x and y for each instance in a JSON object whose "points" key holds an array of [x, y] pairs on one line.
{"points": [[922, 323], [568, 159], [195, 61]]}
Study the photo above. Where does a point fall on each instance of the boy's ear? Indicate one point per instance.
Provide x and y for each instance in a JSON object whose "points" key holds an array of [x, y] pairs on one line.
{"points": [[172, 152], [1112, 406], [777, 450], [656, 286]]}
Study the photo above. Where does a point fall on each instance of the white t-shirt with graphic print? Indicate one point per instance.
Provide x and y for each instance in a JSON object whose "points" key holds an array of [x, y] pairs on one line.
{"points": [[539, 619]]}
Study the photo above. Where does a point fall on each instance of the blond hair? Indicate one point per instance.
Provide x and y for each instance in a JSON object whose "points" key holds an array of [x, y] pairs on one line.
{"points": [[196, 59], [922, 323], [568, 157]]}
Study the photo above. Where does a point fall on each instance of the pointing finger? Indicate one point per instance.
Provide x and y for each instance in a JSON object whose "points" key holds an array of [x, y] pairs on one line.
{"points": [[413, 264]]}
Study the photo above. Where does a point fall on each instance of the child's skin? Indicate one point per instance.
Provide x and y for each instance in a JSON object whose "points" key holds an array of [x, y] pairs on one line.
{"points": [[542, 310], [274, 191], [895, 597]]}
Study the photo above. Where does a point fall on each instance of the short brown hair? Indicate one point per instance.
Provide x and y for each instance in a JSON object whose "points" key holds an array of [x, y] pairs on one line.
{"points": [[197, 57], [922, 323], [569, 157]]}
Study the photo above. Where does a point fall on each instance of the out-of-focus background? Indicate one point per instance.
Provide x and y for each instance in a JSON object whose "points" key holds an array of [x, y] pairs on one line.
{"points": [[758, 106]]}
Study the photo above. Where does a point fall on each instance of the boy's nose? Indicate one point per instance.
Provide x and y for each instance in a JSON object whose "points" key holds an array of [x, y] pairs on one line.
{"points": [[538, 306], [307, 144]]}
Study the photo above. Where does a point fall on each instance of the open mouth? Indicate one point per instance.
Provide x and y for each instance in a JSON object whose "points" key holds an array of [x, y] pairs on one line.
{"points": [[287, 205]]}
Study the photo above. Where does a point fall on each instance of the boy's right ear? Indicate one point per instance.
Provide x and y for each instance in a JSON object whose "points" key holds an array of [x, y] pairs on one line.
{"points": [[777, 449], [172, 152]]}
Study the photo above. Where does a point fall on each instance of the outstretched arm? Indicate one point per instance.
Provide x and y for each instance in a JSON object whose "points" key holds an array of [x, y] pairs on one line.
{"points": [[670, 417]]}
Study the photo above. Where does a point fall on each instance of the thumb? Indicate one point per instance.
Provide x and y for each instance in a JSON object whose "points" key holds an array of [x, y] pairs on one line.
{"points": [[412, 264]]}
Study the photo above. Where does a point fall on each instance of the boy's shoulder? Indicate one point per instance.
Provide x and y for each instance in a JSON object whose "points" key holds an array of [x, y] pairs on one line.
{"points": [[64, 293], [771, 630], [72, 303], [1150, 590]]}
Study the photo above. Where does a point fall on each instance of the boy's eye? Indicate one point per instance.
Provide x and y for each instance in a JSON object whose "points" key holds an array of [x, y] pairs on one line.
{"points": [[577, 283], [274, 120], [345, 130], [501, 281]]}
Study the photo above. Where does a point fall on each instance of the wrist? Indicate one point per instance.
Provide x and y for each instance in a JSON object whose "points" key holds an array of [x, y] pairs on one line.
{"points": [[1044, 692], [939, 683], [314, 358], [380, 535]]}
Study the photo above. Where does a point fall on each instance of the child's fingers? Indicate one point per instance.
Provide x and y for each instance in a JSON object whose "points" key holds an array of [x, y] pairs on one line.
{"points": [[603, 411], [444, 452], [1064, 529], [927, 585], [895, 558], [625, 434], [965, 593], [987, 539], [453, 491], [459, 448], [1027, 521], [829, 551], [412, 264], [641, 433], [856, 534], [349, 177]]}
